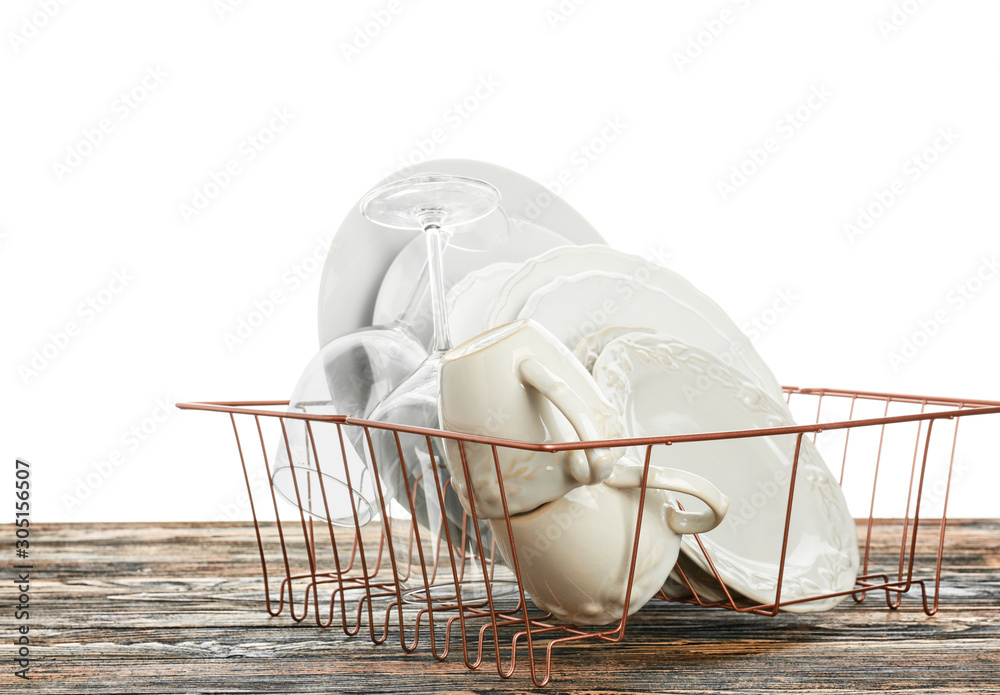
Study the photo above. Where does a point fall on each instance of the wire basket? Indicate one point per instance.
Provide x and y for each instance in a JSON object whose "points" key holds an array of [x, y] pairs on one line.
{"points": [[380, 564]]}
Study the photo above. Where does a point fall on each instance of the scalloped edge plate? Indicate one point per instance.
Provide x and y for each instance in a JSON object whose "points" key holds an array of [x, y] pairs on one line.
{"points": [[659, 384]]}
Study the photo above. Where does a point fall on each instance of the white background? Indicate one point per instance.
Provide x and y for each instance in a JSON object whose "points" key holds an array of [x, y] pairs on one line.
{"points": [[894, 75]]}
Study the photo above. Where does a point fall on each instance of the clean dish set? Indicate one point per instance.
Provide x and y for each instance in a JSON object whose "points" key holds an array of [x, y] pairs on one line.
{"points": [[561, 342], [515, 436]]}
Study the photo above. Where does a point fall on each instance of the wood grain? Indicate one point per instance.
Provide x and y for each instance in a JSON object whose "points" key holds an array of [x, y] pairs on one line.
{"points": [[144, 608]]}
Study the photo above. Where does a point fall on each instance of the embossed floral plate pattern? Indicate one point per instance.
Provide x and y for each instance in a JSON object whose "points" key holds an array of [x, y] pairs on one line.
{"points": [[576, 306], [663, 386], [562, 263]]}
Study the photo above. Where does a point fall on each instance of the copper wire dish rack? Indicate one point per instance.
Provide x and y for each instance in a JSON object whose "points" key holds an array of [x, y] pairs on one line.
{"points": [[355, 577]]}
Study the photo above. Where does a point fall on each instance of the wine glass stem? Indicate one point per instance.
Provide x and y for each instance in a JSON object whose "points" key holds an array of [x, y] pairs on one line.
{"points": [[439, 308]]}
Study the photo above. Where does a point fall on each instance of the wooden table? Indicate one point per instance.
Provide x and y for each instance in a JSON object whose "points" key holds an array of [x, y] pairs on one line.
{"points": [[170, 608]]}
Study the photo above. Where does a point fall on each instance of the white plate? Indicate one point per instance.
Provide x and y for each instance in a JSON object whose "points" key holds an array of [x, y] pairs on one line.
{"points": [[362, 251], [469, 299], [662, 387], [575, 307], [574, 260], [403, 280]]}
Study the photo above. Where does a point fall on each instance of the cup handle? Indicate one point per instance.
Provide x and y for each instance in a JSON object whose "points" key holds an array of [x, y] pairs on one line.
{"points": [[590, 466], [630, 476]]}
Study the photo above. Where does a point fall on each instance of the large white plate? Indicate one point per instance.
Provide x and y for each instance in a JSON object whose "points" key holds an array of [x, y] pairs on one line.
{"points": [[663, 386], [362, 251]]}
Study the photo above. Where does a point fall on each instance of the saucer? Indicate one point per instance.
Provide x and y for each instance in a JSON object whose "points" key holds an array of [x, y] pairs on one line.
{"points": [[663, 386]]}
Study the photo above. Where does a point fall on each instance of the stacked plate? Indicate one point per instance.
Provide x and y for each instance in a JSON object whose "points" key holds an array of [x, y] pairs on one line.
{"points": [[662, 352]]}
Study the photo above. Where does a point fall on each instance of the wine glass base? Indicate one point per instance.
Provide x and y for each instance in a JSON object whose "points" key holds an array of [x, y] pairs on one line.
{"points": [[472, 592]]}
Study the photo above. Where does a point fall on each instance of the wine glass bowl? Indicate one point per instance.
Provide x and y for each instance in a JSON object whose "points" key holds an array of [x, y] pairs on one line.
{"points": [[315, 469], [430, 200]]}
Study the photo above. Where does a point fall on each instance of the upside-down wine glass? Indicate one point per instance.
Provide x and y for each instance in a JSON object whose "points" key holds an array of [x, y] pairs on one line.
{"points": [[411, 470]]}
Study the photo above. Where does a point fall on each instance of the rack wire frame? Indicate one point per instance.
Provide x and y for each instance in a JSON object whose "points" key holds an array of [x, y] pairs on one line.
{"points": [[355, 576]]}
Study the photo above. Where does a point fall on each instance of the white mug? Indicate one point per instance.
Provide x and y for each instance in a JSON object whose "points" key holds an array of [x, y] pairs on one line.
{"points": [[574, 554], [519, 382]]}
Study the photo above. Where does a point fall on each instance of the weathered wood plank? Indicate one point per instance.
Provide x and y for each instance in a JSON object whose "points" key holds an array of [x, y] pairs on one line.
{"points": [[146, 608]]}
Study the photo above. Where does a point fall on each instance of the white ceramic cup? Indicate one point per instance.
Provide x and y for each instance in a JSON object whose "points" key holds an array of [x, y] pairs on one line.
{"points": [[518, 382], [574, 554]]}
